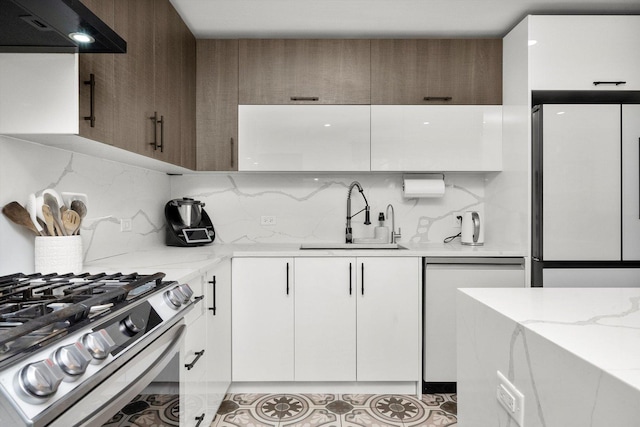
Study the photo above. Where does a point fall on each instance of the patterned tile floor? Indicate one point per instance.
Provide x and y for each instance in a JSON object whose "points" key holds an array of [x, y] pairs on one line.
{"points": [[336, 410]]}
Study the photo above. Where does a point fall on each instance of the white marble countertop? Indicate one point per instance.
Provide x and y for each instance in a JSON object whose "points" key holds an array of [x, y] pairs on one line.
{"points": [[598, 325], [183, 263]]}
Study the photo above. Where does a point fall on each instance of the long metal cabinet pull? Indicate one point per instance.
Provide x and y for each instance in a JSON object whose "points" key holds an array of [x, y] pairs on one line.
{"points": [[617, 83], [213, 282], [231, 146], [157, 121], [639, 173], [199, 420], [362, 277], [305, 98], [161, 134], [437, 98], [154, 119], [190, 366], [92, 99], [350, 279], [287, 278]]}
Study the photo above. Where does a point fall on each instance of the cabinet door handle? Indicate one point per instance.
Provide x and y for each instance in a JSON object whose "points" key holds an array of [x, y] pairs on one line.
{"points": [[287, 278], [231, 147], [161, 121], [305, 98], [157, 121], [199, 419], [617, 83], [154, 119], [437, 98], [190, 366], [350, 279], [362, 277], [213, 282], [92, 99]]}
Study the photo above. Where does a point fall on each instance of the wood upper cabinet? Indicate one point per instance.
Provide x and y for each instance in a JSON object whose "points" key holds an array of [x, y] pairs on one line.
{"points": [[436, 71], [327, 71], [97, 84], [157, 74], [134, 72], [174, 86], [217, 105]]}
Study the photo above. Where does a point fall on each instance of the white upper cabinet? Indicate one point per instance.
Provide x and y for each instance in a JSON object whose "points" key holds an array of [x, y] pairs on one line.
{"points": [[436, 138], [574, 52], [303, 137], [39, 93]]}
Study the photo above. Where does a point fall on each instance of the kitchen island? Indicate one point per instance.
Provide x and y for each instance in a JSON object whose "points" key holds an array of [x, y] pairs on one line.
{"points": [[573, 353]]}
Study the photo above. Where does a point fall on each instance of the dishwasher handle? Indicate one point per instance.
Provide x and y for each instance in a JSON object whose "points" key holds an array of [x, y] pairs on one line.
{"points": [[486, 261]]}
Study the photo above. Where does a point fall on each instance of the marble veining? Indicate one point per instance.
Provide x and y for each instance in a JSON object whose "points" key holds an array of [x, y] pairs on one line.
{"points": [[572, 352], [519, 332], [312, 207], [115, 191]]}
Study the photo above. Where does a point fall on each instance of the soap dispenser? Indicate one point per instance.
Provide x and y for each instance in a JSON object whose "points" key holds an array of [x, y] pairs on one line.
{"points": [[381, 232]]}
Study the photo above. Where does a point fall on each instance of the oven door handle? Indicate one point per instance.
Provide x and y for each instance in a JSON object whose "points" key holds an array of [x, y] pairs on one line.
{"points": [[133, 388]]}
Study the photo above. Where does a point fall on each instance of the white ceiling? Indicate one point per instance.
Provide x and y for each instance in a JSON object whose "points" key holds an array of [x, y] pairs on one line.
{"points": [[376, 18]]}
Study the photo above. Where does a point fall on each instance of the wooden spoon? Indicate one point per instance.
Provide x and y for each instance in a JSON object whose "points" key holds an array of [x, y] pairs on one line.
{"points": [[71, 221], [50, 200], [48, 219], [18, 214], [79, 207]]}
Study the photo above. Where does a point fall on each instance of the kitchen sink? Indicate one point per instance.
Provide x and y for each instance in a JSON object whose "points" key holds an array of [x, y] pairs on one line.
{"points": [[337, 245]]}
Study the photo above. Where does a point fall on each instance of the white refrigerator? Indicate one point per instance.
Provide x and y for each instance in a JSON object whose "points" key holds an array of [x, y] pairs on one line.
{"points": [[586, 195]]}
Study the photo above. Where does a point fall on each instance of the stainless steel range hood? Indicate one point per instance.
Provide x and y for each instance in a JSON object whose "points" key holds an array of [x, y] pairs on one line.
{"points": [[43, 26]]}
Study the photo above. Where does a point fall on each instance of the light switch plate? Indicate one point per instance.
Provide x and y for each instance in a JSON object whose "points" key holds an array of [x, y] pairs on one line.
{"points": [[511, 399]]}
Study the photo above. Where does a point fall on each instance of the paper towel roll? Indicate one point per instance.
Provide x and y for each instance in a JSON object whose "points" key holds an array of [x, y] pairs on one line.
{"points": [[431, 187]]}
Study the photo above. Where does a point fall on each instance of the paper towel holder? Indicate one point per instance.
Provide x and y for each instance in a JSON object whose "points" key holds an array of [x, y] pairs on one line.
{"points": [[423, 185]]}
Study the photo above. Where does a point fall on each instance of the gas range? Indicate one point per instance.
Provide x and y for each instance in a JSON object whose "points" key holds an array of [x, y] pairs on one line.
{"points": [[63, 336]]}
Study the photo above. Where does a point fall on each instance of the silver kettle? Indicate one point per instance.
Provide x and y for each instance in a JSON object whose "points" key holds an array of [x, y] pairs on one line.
{"points": [[472, 232]]}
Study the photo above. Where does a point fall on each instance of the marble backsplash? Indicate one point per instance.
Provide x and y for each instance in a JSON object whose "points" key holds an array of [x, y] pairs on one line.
{"points": [[312, 207], [114, 191], [307, 207]]}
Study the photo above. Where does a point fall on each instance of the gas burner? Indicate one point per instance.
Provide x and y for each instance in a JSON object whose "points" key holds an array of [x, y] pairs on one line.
{"points": [[37, 308]]}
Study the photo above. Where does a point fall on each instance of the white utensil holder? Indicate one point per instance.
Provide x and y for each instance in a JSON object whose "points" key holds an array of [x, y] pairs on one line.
{"points": [[58, 254]]}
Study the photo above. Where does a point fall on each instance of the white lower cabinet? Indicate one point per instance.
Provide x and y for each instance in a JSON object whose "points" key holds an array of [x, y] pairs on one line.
{"points": [[349, 319], [262, 319], [193, 361], [217, 304], [325, 319], [205, 357], [389, 319]]}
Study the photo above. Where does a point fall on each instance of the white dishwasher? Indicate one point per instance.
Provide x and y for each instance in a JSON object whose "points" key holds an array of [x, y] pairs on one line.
{"points": [[442, 276]]}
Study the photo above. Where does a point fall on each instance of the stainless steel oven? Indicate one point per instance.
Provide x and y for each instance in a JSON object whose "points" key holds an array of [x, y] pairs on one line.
{"points": [[74, 349]]}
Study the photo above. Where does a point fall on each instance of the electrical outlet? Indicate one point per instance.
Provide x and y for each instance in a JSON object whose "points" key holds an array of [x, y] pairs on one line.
{"points": [[511, 399], [126, 224], [456, 219], [267, 220]]}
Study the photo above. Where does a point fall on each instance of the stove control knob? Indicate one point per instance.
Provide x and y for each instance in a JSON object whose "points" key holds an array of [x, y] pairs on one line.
{"points": [[174, 297], [132, 324], [99, 344], [73, 359], [186, 291], [40, 379]]}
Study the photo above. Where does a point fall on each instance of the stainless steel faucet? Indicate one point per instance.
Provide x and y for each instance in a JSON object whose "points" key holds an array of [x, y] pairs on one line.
{"points": [[367, 221], [394, 235]]}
